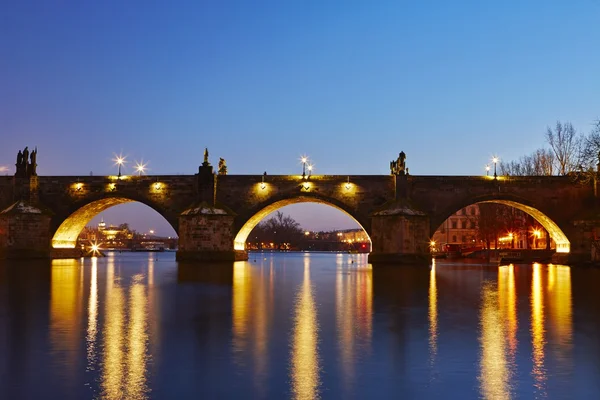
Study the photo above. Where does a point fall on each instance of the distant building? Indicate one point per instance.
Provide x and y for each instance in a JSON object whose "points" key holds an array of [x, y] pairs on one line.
{"points": [[461, 227], [515, 229]]}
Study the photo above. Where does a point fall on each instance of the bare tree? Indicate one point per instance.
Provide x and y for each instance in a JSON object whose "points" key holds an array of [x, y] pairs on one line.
{"points": [[566, 146], [591, 148], [278, 229], [540, 162]]}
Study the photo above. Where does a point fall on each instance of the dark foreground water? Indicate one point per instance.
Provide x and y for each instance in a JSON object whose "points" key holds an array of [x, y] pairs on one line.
{"points": [[138, 325]]}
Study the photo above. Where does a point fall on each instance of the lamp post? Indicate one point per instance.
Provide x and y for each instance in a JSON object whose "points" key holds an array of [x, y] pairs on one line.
{"points": [[140, 168], [310, 168], [487, 170], [119, 160], [304, 159], [495, 161]]}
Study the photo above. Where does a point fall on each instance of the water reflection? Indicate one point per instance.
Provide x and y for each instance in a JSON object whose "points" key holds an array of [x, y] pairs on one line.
{"points": [[135, 384], [92, 328], [494, 369], [354, 320], [537, 330], [252, 304], [433, 314], [241, 304], [305, 326], [507, 301], [561, 318], [124, 373], [305, 362], [65, 313], [114, 332]]}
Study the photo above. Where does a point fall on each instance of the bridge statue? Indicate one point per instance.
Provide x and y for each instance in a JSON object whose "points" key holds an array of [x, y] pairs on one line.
{"points": [[222, 167], [206, 157], [26, 164], [31, 168], [398, 167]]}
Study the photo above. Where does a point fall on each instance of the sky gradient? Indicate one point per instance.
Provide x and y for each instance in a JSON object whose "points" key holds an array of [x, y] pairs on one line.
{"points": [[350, 84]]}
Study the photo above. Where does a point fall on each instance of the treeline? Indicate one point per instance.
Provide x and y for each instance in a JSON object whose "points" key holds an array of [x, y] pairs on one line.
{"points": [[280, 229], [567, 151]]}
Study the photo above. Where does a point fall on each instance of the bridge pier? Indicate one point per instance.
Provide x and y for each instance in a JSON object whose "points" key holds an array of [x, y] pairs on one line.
{"points": [[206, 234], [400, 235], [24, 231]]}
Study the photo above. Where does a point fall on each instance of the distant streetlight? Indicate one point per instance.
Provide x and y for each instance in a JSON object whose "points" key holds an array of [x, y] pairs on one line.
{"points": [[310, 168], [487, 170], [152, 231], [140, 167], [495, 161], [119, 160]]}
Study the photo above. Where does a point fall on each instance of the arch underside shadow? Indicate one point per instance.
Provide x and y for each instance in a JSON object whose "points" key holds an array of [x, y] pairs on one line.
{"points": [[563, 245], [239, 242]]}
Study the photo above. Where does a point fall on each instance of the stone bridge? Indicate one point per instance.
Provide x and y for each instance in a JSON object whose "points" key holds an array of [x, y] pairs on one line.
{"points": [[213, 214]]}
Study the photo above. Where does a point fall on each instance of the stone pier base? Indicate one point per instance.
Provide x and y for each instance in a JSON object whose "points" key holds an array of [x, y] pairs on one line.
{"points": [[573, 259], [24, 231], [69, 253]]}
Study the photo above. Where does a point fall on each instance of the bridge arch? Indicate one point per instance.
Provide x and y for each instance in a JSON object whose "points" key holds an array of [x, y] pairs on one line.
{"points": [[563, 245], [67, 226], [249, 220]]}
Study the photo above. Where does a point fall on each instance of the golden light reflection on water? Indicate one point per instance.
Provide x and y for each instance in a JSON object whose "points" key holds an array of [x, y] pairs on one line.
{"points": [[253, 291], [494, 369], [305, 362], [353, 306], [65, 307], [507, 301], [433, 314], [125, 339], [92, 328], [561, 304], [135, 384], [114, 332], [561, 317], [261, 331], [242, 281], [537, 329]]}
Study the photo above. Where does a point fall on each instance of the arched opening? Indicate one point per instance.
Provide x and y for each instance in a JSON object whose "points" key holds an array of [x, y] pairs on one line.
{"points": [[241, 239], [129, 213], [512, 225]]}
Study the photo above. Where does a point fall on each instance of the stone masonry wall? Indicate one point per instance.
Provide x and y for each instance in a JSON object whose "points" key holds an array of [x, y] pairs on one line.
{"points": [[205, 233], [24, 235]]}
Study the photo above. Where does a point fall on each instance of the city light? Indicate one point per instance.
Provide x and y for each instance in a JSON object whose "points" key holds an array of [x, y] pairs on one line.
{"points": [[487, 170], [119, 161], [303, 160], [140, 167], [495, 160], [310, 168], [95, 248]]}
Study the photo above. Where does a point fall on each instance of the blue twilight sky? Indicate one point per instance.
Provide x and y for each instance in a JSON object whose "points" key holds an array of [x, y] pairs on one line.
{"points": [[349, 83]]}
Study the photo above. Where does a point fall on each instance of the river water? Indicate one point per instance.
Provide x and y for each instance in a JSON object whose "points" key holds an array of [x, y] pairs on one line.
{"points": [[296, 325]]}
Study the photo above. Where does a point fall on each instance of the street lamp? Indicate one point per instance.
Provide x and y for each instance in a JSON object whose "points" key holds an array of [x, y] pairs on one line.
{"points": [[487, 170], [304, 160], [140, 167], [310, 168], [495, 161], [119, 160]]}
